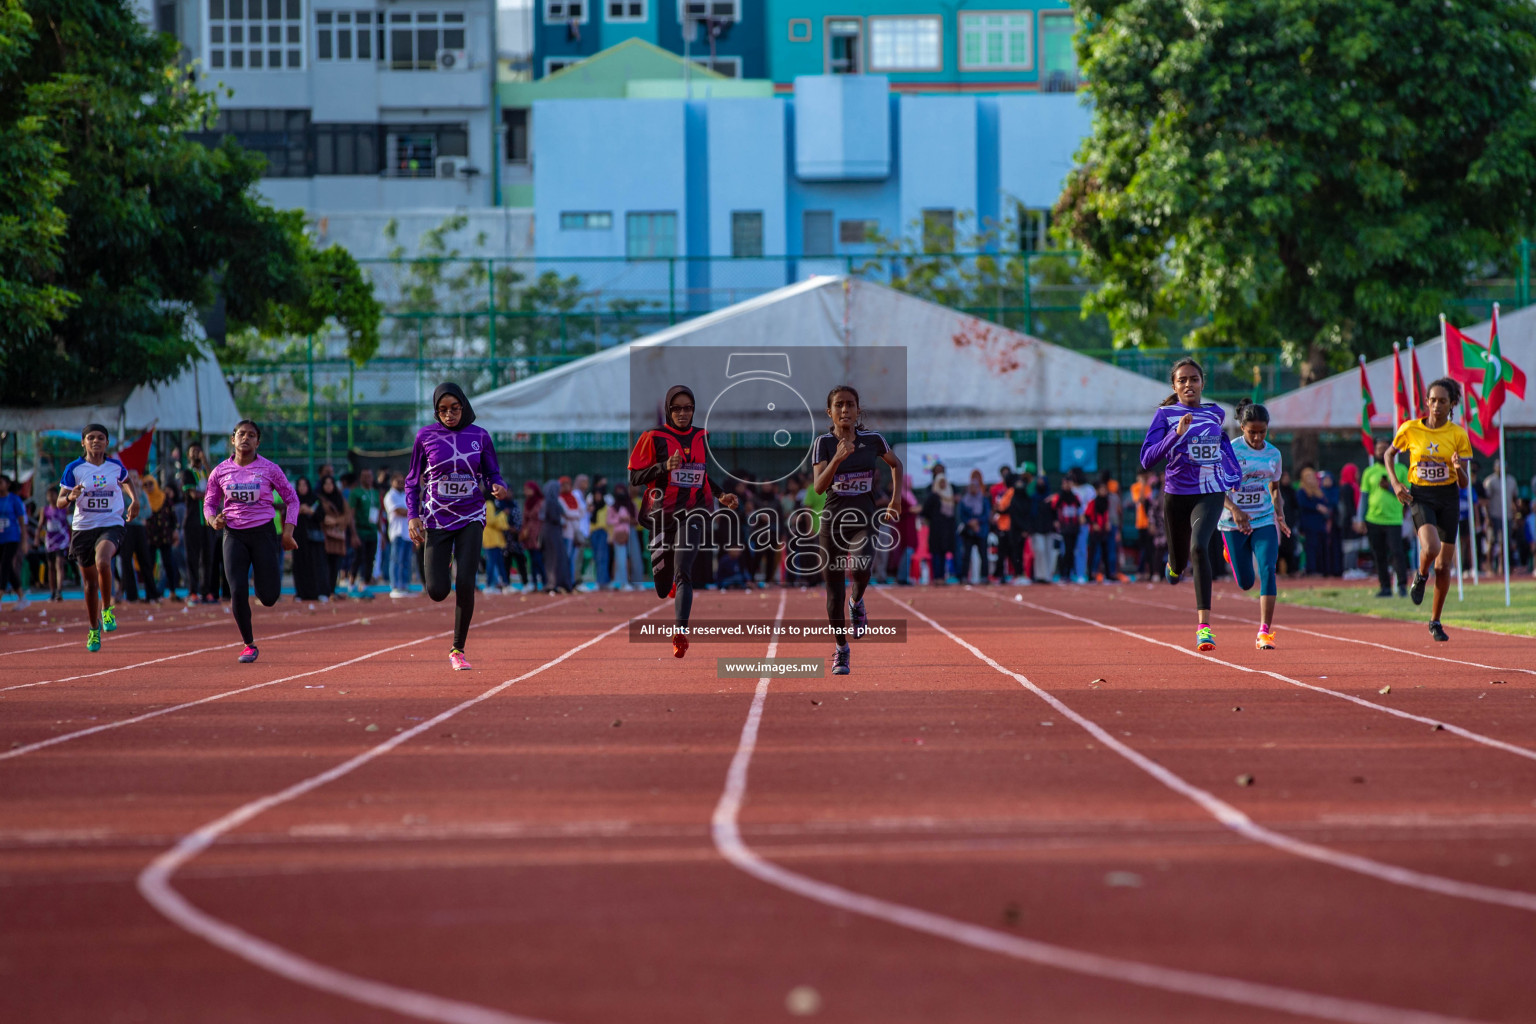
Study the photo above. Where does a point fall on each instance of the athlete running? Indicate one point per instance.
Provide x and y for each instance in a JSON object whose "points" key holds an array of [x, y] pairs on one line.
{"points": [[1438, 452], [239, 504], [453, 465], [844, 459], [1201, 469], [1254, 519], [668, 463], [98, 486]]}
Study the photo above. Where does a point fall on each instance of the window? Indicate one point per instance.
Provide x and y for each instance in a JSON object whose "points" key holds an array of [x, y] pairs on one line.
{"points": [[553, 64], [256, 35], [1034, 229], [722, 10], [855, 232], [282, 136], [165, 18], [816, 226], [626, 10], [938, 230], [559, 11], [516, 121], [344, 35], [746, 233], [412, 150], [586, 220], [730, 67], [415, 37], [650, 235], [906, 44], [843, 35], [1058, 59], [799, 30], [1001, 40], [346, 149]]}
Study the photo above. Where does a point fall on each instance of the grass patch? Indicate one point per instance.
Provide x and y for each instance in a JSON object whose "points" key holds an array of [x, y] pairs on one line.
{"points": [[1483, 607]]}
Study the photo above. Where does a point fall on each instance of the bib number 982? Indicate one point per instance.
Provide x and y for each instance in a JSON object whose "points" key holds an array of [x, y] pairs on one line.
{"points": [[1207, 453]]}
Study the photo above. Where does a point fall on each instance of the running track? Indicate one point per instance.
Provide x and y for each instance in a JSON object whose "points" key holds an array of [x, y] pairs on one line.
{"points": [[970, 828]]}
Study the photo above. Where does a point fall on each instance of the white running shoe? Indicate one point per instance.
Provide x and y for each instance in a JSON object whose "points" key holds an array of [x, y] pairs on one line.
{"points": [[398, 593], [22, 604]]}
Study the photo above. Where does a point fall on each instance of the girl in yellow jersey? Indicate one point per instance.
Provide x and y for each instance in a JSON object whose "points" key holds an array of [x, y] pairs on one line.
{"points": [[1438, 452]]}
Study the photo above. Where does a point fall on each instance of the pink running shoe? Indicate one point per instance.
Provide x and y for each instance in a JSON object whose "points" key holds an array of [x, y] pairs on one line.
{"points": [[456, 659], [248, 655]]}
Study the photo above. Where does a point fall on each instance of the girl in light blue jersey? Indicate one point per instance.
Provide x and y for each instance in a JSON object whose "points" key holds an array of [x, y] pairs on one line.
{"points": [[1254, 518]]}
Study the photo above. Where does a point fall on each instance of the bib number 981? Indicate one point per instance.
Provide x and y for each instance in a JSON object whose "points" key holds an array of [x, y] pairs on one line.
{"points": [[243, 495]]}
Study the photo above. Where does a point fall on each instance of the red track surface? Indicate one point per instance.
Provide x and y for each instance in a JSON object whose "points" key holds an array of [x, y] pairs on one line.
{"points": [[547, 853]]}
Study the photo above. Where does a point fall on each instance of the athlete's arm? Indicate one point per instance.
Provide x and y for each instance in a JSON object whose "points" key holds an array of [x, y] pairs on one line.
{"points": [[490, 468], [1159, 442], [643, 467], [1402, 493], [1274, 496], [130, 499], [894, 508], [213, 497]]}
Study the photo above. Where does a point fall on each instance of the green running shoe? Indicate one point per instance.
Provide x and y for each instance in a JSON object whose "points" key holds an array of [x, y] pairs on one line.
{"points": [[1169, 574], [93, 641], [109, 620], [1205, 639]]}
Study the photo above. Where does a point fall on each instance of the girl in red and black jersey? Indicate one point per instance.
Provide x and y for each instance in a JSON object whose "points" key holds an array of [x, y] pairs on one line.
{"points": [[845, 462], [668, 463]]}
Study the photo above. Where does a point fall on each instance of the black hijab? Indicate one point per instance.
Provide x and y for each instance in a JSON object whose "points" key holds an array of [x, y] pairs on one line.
{"points": [[450, 388], [666, 408]]}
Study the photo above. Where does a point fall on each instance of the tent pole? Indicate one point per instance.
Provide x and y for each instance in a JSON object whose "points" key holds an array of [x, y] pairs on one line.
{"points": [[1039, 453], [1504, 512]]}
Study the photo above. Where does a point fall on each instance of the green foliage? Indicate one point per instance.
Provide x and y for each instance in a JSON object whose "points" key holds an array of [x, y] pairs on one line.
{"points": [[147, 221], [1313, 174]]}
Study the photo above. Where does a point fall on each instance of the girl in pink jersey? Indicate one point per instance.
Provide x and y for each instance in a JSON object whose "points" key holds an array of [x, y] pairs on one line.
{"points": [[239, 504]]}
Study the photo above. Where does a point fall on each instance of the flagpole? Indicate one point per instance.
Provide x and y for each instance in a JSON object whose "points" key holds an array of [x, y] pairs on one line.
{"points": [[1504, 512], [1445, 356]]}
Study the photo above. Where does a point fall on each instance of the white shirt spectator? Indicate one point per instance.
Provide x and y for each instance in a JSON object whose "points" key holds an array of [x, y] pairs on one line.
{"points": [[394, 499]]}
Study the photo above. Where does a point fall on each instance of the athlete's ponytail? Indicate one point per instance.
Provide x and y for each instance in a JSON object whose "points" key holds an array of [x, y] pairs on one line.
{"points": [[1173, 373], [1248, 411]]}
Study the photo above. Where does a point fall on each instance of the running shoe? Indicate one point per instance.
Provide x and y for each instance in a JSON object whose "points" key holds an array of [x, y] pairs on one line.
{"points": [[93, 640], [22, 604], [679, 645], [1264, 642], [671, 594], [1437, 631], [109, 619], [860, 618], [1417, 593], [1384, 593], [457, 661], [248, 655], [840, 666], [1205, 639], [1169, 574]]}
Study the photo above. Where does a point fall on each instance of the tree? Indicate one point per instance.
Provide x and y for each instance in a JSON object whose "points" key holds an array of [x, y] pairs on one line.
{"points": [[1316, 175], [138, 224]]}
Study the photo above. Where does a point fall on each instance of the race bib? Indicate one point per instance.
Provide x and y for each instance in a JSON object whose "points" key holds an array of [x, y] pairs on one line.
{"points": [[456, 485], [1433, 472], [688, 475], [1206, 453], [854, 483], [5, 524], [243, 492], [1250, 499], [96, 501]]}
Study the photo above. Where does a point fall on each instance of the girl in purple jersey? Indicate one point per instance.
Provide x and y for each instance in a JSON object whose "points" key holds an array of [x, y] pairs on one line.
{"points": [[453, 465], [239, 504], [1201, 469]]}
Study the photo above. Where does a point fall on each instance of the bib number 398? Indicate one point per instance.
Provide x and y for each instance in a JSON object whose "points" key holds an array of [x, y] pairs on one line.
{"points": [[1434, 472]]}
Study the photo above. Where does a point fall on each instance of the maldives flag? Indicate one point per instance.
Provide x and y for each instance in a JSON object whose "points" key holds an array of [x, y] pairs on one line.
{"points": [[1367, 410], [1418, 381], [1484, 371], [1480, 429], [1399, 390], [136, 456]]}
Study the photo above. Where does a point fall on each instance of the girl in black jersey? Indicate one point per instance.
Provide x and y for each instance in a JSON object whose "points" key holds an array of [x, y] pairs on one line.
{"points": [[845, 464]]}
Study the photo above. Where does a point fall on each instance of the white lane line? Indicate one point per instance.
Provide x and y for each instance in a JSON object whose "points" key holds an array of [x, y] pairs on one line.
{"points": [[1234, 819], [79, 733], [136, 632], [154, 884], [727, 837], [1352, 640], [188, 654], [1475, 737]]}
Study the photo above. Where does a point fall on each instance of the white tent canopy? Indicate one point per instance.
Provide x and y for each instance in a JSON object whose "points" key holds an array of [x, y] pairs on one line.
{"points": [[963, 373], [1334, 402], [197, 400]]}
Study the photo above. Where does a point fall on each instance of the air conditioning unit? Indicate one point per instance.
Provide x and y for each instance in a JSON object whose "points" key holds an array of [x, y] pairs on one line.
{"points": [[449, 166], [453, 60]]}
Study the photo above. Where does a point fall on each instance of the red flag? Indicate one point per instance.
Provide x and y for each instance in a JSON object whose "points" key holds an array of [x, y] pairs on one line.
{"points": [[1367, 410], [1399, 389], [1480, 431], [1418, 381], [1485, 373], [136, 456]]}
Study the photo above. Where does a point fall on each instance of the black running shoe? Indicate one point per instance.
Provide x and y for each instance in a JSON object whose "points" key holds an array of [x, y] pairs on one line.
{"points": [[840, 659], [1437, 631], [1417, 593], [860, 618], [1384, 593]]}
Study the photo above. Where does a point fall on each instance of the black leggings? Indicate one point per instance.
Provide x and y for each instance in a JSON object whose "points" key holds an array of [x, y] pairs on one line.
{"points": [[453, 553], [850, 550], [1193, 516], [253, 551], [672, 556]]}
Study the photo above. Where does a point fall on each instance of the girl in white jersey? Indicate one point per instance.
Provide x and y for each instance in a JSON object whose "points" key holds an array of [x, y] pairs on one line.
{"points": [[1254, 518], [98, 487]]}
